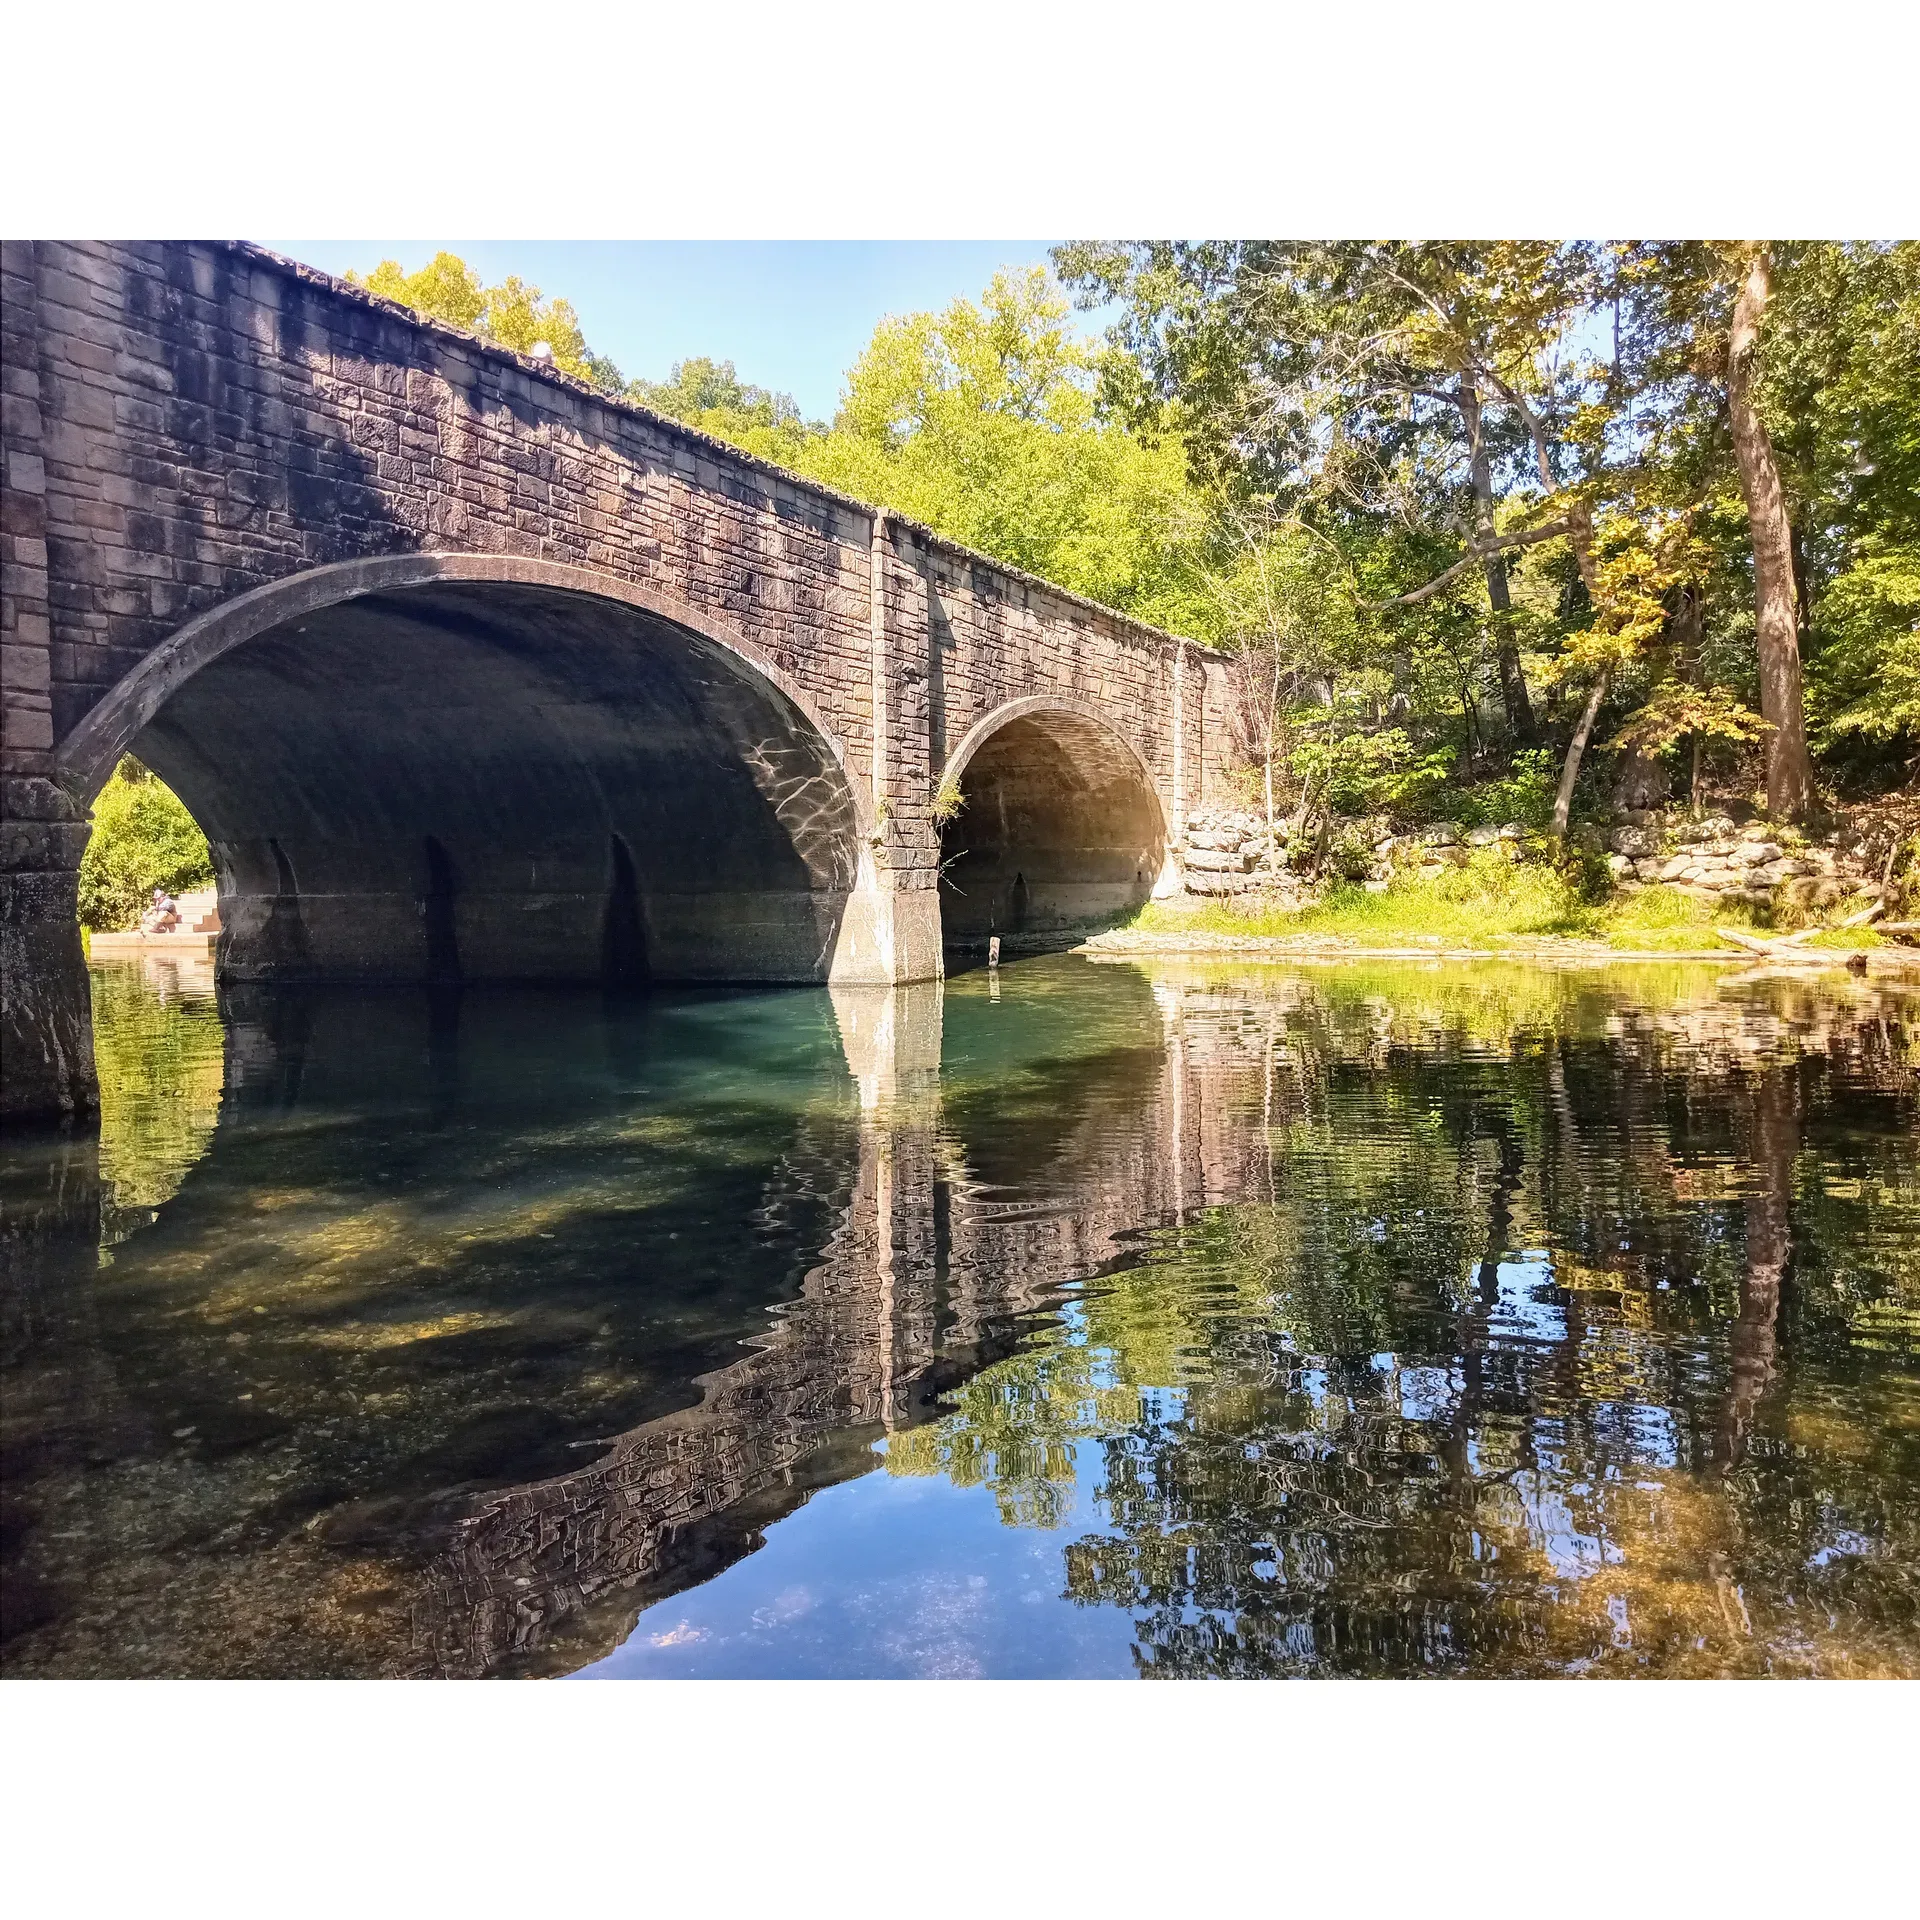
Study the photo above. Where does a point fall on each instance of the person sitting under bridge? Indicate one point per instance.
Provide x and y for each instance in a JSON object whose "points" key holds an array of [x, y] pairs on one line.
{"points": [[163, 916]]}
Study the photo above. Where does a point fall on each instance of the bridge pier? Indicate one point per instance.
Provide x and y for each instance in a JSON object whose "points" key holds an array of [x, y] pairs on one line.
{"points": [[46, 1021]]}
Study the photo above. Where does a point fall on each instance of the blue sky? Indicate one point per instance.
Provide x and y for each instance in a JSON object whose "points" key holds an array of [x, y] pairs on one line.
{"points": [[790, 314]]}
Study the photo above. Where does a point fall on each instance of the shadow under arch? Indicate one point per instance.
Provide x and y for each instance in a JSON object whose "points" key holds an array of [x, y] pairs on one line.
{"points": [[1060, 823], [504, 721]]}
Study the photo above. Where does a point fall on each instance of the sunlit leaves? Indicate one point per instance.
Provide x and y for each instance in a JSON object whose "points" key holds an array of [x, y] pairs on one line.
{"points": [[142, 838]]}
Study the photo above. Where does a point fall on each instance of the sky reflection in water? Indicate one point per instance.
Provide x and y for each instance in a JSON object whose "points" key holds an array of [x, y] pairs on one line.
{"points": [[1389, 1321]]}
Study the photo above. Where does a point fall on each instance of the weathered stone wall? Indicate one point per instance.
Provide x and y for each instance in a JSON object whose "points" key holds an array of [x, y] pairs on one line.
{"points": [[186, 423]]}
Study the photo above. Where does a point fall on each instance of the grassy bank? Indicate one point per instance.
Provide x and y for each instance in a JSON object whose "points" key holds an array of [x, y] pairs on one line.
{"points": [[1489, 901]]}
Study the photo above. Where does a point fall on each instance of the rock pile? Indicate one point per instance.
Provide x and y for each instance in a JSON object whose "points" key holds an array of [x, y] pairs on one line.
{"points": [[1225, 851], [1433, 849], [1713, 858]]}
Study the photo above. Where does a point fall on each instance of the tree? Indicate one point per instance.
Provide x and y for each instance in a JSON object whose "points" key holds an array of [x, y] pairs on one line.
{"points": [[1785, 375], [1776, 605], [1289, 610], [710, 395], [513, 314], [142, 838], [1408, 387], [1840, 393], [982, 422]]}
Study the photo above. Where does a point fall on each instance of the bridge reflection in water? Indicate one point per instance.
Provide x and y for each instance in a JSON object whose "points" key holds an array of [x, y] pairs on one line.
{"points": [[443, 1335], [411, 1238]]}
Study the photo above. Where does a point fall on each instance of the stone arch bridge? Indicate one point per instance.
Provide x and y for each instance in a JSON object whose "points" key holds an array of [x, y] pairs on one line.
{"points": [[470, 673]]}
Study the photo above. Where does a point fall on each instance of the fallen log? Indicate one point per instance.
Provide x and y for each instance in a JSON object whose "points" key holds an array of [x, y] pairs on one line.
{"points": [[1789, 948]]}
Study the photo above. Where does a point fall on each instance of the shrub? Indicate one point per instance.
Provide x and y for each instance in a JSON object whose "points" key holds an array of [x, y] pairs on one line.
{"points": [[142, 838]]}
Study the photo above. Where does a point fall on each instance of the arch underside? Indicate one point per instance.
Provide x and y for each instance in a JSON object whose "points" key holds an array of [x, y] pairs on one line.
{"points": [[1059, 827], [495, 781]]}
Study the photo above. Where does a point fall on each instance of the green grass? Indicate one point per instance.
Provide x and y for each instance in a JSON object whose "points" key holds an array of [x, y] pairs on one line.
{"points": [[1487, 901], [1849, 939], [1665, 920]]}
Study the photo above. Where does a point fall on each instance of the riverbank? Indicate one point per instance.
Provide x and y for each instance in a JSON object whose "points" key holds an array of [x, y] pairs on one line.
{"points": [[1522, 914], [1884, 961]]}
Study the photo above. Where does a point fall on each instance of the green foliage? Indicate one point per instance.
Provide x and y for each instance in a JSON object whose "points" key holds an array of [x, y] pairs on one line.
{"points": [[1678, 710], [1419, 404], [142, 838], [1866, 677], [1522, 796], [513, 314], [710, 396], [981, 422], [1352, 774], [949, 801]]}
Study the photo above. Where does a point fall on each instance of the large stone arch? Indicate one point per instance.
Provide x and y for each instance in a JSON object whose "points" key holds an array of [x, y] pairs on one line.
{"points": [[475, 766], [1060, 822]]}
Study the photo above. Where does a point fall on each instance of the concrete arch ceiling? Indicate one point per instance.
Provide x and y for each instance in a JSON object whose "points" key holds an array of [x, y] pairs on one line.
{"points": [[459, 773], [1060, 823]]}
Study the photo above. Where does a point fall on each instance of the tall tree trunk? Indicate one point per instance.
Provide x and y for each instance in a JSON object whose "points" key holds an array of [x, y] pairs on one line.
{"points": [[1685, 627], [1513, 679], [1273, 722], [1775, 603], [1576, 749]]}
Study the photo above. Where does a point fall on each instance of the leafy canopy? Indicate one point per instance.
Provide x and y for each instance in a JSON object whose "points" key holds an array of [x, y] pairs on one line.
{"points": [[982, 422], [142, 838]]}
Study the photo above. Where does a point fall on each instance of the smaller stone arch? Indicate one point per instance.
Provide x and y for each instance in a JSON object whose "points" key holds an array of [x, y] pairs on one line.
{"points": [[1060, 823]]}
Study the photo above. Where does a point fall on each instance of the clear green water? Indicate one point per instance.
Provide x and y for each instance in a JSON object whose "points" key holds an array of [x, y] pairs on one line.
{"points": [[1463, 1320]]}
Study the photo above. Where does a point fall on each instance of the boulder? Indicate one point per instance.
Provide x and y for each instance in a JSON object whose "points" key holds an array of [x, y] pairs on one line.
{"points": [[1641, 781], [1217, 883], [1216, 860], [1635, 842], [1483, 836], [1440, 835]]}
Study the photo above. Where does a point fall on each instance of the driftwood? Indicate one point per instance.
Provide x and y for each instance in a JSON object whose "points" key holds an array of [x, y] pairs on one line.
{"points": [[1791, 947]]}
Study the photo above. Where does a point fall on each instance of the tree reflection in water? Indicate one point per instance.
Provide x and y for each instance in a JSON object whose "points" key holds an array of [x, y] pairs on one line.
{"points": [[1480, 1320], [1554, 1344]]}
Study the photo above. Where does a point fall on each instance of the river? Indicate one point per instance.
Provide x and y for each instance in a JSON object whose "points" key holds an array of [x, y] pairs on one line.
{"points": [[1082, 1319]]}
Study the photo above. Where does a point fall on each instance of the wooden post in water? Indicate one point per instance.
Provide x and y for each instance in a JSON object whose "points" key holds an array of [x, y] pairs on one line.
{"points": [[993, 951]]}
